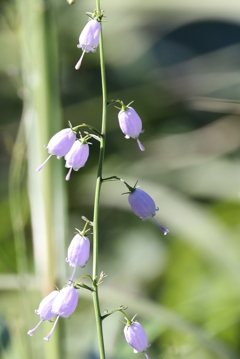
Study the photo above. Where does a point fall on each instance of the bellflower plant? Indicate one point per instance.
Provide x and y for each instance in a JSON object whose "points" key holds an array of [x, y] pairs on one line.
{"points": [[75, 148], [136, 336], [76, 157], [60, 144], [89, 39], [45, 309], [63, 305]]}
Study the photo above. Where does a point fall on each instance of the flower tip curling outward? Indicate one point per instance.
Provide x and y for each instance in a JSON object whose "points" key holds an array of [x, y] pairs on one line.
{"points": [[136, 337]]}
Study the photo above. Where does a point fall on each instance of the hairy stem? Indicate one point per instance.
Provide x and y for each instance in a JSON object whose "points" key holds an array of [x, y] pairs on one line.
{"points": [[97, 196]]}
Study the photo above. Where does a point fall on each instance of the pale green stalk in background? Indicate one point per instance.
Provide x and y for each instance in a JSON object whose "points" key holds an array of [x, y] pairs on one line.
{"points": [[41, 118]]}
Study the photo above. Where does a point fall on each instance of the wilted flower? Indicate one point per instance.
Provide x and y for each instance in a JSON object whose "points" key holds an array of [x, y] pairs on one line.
{"points": [[60, 144], [143, 205], [136, 336], [76, 157], [63, 305], [78, 252], [130, 124], [45, 309], [89, 39]]}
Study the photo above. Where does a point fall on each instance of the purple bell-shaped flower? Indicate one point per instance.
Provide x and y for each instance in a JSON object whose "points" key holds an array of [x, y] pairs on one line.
{"points": [[78, 253], [89, 39], [76, 157], [143, 206], [136, 336], [130, 124], [63, 305], [60, 144], [45, 309]]}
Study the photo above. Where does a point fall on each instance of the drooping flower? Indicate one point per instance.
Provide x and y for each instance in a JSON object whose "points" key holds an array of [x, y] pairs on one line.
{"points": [[60, 144], [78, 252], [89, 39], [45, 309], [63, 305], [143, 205], [130, 124], [76, 157], [136, 336]]}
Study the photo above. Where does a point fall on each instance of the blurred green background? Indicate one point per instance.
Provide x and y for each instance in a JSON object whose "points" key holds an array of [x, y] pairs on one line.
{"points": [[179, 61]]}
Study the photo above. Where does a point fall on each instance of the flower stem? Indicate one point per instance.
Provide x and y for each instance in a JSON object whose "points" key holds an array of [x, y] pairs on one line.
{"points": [[97, 196]]}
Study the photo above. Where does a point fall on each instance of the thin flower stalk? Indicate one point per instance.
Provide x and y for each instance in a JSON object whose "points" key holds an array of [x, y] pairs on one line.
{"points": [[98, 192]]}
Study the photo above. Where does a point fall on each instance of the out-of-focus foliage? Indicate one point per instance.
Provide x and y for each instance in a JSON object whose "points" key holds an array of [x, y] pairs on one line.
{"points": [[179, 62]]}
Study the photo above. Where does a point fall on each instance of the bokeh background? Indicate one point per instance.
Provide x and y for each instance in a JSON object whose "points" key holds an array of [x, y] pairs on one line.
{"points": [[179, 60]]}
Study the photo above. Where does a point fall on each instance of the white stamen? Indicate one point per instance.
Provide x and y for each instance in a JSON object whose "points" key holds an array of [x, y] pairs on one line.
{"points": [[77, 67], [165, 230], [69, 174], [54, 325], [40, 167], [30, 332], [142, 148]]}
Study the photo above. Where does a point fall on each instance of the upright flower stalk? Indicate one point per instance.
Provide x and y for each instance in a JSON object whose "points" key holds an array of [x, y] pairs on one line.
{"points": [[98, 192]]}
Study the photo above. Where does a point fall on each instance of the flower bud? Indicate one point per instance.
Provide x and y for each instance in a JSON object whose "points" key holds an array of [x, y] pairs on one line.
{"points": [[144, 206], [78, 251], [76, 157], [130, 124], [60, 144], [63, 305], [45, 309], [136, 336], [89, 39]]}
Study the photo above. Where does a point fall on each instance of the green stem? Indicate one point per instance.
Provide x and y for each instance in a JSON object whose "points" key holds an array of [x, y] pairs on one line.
{"points": [[97, 196], [85, 125]]}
